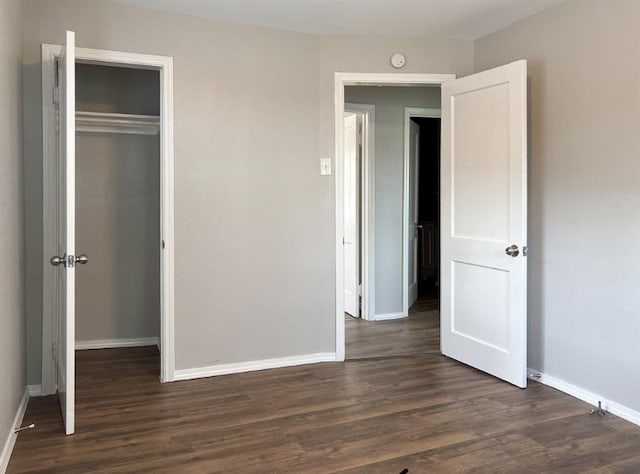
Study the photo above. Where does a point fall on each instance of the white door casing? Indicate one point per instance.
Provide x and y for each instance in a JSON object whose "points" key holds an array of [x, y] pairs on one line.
{"points": [[342, 79], [351, 234], [484, 212], [52, 203], [66, 272], [412, 242]]}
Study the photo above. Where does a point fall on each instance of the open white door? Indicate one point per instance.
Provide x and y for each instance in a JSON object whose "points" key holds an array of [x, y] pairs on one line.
{"points": [[66, 260], [412, 244], [351, 238], [484, 221]]}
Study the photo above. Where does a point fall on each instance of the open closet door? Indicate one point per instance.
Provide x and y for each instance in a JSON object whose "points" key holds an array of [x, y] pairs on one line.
{"points": [[484, 221], [66, 227]]}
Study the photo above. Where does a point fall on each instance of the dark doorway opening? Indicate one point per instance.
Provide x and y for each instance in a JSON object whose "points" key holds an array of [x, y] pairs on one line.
{"points": [[428, 257]]}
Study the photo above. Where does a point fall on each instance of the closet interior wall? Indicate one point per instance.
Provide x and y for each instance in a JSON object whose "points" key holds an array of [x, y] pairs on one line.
{"points": [[117, 209]]}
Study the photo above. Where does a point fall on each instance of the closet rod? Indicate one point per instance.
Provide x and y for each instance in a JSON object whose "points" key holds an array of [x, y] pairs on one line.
{"points": [[102, 122]]}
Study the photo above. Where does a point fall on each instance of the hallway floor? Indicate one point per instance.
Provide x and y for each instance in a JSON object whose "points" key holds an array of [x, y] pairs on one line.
{"points": [[415, 335]]}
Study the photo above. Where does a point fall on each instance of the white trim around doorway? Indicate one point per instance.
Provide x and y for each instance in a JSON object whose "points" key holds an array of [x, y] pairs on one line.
{"points": [[164, 65], [409, 113], [342, 79]]}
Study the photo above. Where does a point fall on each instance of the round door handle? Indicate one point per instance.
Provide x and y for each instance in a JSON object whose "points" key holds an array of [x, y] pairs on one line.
{"points": [[82, 259], [56, 261], [512, 251]]}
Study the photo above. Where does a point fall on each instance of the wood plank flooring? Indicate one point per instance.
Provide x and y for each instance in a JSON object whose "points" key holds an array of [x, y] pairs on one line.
{"points": [[425, 413], [417, 334]]}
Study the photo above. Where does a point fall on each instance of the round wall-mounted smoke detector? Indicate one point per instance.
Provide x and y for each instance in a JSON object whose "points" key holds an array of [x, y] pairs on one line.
{"points": [[398, 60]]}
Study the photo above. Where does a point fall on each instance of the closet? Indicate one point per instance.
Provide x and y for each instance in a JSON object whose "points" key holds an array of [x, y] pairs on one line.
{"points": [[117, 206]]}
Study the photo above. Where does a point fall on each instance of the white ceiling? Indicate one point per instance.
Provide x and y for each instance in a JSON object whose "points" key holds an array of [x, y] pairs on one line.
{"points": [[446, 19]]}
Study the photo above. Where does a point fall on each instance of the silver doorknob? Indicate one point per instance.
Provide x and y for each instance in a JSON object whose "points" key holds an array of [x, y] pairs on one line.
{"points": [[512, 251], [82, 259], [55, 260]]}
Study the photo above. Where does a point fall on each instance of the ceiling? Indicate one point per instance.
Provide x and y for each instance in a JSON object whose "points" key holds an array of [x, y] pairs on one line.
{"points": [[445, 19]]}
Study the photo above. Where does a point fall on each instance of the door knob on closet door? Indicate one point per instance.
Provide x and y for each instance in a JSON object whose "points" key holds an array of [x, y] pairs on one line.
{"points": [[56, 261], [512, 251], [82, 259]]}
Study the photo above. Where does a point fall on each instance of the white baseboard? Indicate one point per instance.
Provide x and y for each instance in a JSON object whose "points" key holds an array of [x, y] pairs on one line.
{"points": [[591, 398], [389, 316], [225, 369], [115, 343], [34, 390], [11, 436]]}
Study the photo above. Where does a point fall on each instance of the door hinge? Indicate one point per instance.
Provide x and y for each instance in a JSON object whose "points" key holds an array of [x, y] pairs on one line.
{"points": [[163, 244], [525, 251], [360, 290], [54, 351], [56, 95], [56, 69]]}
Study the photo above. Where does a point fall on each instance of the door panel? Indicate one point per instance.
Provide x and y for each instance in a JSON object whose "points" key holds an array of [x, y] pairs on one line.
{"points": [[351, 237], [483, 285], [67, 207], [482, 118]]}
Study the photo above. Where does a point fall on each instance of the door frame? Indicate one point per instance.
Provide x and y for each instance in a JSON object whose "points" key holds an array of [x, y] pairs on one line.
{"points": [[409, 113], [367, 208], [342, 79], [164, 65]]}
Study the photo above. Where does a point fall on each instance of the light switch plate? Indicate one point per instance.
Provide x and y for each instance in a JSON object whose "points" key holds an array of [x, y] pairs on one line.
{"points": [[325, 166]]}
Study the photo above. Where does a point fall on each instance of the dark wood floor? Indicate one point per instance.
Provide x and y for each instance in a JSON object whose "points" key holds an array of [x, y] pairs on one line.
{"points": [[415, 335], [425, 413]]}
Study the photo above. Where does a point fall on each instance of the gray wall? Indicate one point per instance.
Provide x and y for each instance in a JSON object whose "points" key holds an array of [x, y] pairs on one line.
{"points": [[584, 79], [255, 244], [12, 332], [389, 162], [117, 89], [118, 215]]}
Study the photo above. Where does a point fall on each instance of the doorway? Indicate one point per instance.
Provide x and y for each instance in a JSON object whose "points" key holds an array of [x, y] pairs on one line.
{"points": [[391, 329], [140, 133], [117, 207], [359, 186], [421, 209], [483, 215]]}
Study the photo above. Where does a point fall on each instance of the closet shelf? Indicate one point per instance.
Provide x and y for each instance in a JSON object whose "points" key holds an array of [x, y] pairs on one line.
{"points": [[101, 122]]}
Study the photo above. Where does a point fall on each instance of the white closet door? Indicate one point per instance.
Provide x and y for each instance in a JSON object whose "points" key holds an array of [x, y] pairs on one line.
{"points": [[66, 266]]}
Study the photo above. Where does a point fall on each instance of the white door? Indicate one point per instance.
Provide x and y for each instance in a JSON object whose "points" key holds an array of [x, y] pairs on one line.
{"points": [[351, 237], [484, 217], [65, 363], [412, 244]]}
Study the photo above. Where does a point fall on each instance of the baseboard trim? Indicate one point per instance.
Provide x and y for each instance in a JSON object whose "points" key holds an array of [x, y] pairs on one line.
{"points": [[12, 436], [115, 343], [226, 369], [591, 398], [389, 316], [34, 390]]}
